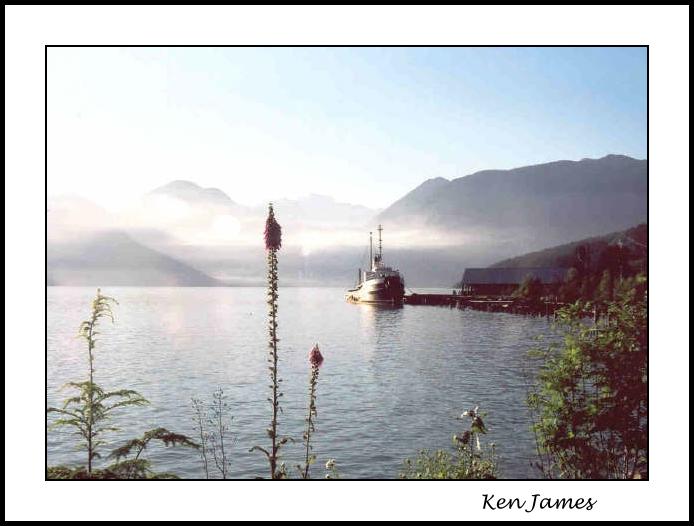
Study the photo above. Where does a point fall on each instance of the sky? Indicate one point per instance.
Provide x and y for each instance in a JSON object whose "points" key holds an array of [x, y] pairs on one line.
{"points": [[362, 125]]}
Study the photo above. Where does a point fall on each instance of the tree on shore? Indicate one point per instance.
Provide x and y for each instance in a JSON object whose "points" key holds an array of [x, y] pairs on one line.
{"points": [[589, 400], [530, 289]]}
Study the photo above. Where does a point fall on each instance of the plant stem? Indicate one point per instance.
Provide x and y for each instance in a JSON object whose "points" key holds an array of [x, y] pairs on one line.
{"points": [[197, 406], [309, 420], [220, 426], [90, 406], [272, 293]]}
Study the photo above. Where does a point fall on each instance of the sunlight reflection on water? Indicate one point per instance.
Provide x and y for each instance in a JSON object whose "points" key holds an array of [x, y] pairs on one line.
{"points": [[393, 380]]}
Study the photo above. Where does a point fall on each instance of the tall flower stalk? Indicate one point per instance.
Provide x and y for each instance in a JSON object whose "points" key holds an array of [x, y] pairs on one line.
{"points": [[315, 358], [273, 242]]}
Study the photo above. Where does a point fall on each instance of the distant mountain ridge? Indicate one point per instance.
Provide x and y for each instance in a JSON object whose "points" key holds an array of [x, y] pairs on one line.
{"points": [[114, 258], [183, 234], [193, 194], [546, 203], [563, 255], [309, 208]]}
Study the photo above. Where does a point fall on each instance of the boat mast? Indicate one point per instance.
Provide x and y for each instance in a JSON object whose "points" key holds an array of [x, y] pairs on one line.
{"points": [[380, 245], [371, 250]]}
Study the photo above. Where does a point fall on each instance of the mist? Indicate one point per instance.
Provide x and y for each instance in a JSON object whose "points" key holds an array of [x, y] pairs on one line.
{"points": [[218, 241]]}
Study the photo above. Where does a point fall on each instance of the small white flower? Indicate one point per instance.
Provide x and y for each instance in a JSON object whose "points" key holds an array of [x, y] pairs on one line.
{"points": [[330, 464]]}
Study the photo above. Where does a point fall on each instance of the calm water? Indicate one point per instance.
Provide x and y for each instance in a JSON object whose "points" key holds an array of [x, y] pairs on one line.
{"points": [[393, 380]]}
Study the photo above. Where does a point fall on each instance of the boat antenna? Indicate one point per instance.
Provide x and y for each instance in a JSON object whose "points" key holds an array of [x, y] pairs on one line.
{"points": [[380, 245], [371, 249]]}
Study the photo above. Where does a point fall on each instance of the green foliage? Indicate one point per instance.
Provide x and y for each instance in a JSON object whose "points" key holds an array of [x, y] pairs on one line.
{"points": [[332, 471], [213, 427], [605, 290], [596, 265], [101, 308], [633, 241], [200, 425], [469, 460], [530, 289], [129, 465], [570, 290], [589, 399], [90, 410], [123, 472], [80, 473], [310, 458]]}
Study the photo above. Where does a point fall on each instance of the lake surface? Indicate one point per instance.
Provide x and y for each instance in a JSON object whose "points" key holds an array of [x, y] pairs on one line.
{"points": [[393, 381]]}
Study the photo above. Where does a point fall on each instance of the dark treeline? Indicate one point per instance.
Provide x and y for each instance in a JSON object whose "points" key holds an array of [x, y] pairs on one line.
{"points": [[598, 268]]}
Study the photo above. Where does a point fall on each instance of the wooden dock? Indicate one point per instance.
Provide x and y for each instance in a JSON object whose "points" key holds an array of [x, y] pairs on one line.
{"points": [[510, 305], [432, 299], [454, 299]]}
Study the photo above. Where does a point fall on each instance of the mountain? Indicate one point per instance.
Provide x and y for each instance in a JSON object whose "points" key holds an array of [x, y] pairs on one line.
{"points": [[634, 239], [319, 211], [531, 206], [194, 194], [114, 258], [183, 233], [414, 202], [313, 209]]}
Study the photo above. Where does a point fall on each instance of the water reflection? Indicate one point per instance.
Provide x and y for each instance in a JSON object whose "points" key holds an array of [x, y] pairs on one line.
{"points": [[394, 379], [376, 318]]}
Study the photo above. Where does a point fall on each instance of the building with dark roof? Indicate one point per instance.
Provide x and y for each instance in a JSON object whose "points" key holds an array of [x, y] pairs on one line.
{"points": [[503, 281]]}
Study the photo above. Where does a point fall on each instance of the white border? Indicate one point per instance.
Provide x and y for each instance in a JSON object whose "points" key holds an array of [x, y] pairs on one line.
{"points": [[28, 28]]}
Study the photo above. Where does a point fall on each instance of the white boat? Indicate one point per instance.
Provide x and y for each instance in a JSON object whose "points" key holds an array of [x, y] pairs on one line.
{"points": [[380, 284]]}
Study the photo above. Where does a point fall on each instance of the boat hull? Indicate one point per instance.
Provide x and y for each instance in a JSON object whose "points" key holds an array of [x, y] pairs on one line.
{"points": [[388, 290]]}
